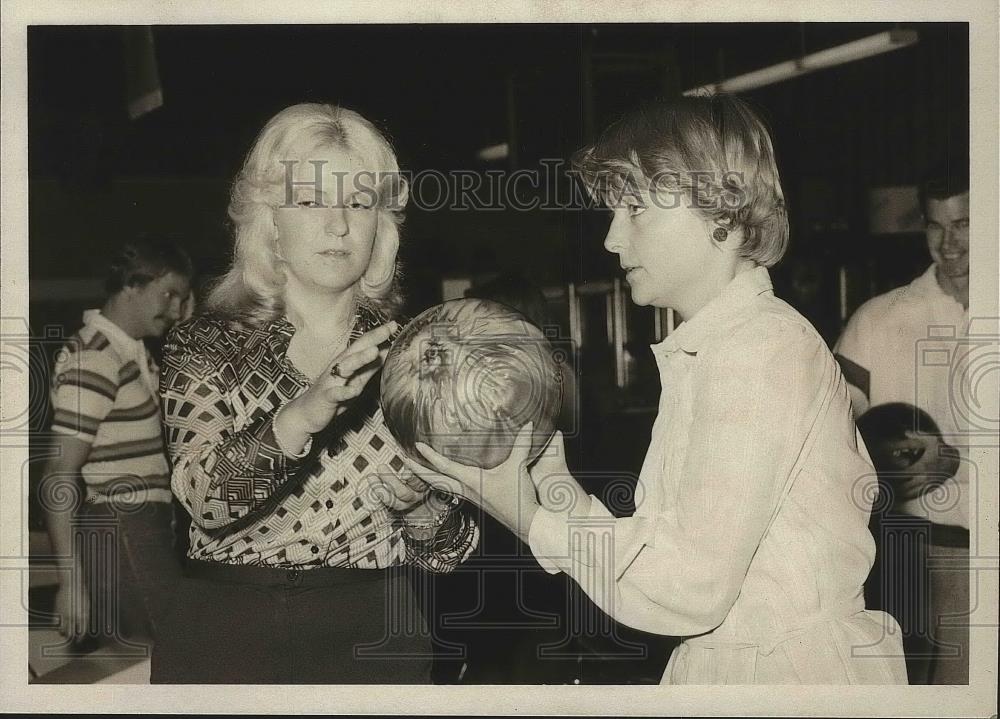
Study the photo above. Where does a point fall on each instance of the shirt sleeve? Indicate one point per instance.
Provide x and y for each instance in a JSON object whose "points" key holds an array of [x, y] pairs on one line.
{"points": [[84, 387], [852, 354], [679, 572], [221, 472]]}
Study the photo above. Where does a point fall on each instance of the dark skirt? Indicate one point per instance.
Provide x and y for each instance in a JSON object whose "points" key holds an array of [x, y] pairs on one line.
{"points": [[231, 624]]}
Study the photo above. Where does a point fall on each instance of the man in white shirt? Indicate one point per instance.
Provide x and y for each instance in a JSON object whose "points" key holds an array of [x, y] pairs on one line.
{"points": [[109, 452], [906, 346]]}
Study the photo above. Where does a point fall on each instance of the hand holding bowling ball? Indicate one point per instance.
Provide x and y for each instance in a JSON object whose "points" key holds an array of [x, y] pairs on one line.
{"points": [[464, 376]]}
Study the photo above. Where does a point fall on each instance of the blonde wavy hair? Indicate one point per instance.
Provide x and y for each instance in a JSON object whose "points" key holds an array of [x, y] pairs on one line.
{"points": [[713, 150], [253, 287]]}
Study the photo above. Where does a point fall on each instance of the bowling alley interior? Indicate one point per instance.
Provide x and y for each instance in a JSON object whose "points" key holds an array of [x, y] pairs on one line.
{"points": [[140, 130]]}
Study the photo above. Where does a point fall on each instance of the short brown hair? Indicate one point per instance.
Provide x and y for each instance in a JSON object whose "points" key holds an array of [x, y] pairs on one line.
{"points": [[144, 259], [949, 178], [713, 149]]}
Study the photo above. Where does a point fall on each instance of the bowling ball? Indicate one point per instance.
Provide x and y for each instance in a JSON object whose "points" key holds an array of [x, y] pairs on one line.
{"points": [[464, 377], [907, 449]]}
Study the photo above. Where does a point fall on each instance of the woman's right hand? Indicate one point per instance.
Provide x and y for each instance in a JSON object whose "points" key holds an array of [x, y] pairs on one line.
{"points": [[343, 380]]}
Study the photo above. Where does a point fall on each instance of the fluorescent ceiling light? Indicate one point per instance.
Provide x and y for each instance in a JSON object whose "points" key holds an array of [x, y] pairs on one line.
{"points": [[494, 152], [839, 55]]}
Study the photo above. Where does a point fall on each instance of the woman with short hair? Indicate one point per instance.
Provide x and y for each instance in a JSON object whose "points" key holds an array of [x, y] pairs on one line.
{"points": [[750, 538]]}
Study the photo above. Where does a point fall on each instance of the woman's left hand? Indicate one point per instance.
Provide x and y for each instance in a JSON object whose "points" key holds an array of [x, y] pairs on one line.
{"points": [[506, 491], [400, 491]]}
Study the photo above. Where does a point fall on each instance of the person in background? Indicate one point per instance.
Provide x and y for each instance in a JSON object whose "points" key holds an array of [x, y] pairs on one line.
{"points": [[907, 468], [115, 547], [304, 517], [906, 346], [749, 538]]}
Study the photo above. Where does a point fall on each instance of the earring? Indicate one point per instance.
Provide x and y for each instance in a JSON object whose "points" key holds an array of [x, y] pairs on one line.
{"points": [[719, 234]]}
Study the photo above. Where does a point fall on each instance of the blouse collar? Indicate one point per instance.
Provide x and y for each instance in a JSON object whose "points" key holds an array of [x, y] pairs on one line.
{"points": [[278, 333], [692, 334]]}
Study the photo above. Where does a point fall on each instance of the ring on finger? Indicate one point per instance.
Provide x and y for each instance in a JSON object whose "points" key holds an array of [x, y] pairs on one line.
{"points": [[413, 482], [335, 372]]}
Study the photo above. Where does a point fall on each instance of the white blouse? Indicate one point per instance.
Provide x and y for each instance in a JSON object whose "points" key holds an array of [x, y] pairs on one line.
{"points": [[751, 534]]}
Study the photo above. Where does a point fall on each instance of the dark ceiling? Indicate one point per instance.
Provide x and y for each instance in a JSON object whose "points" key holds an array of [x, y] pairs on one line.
{"points": [[444, 91], [441, 90]]}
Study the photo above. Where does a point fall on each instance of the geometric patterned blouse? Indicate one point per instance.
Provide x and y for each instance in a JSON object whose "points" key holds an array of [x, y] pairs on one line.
{"points": [[222, 383]]}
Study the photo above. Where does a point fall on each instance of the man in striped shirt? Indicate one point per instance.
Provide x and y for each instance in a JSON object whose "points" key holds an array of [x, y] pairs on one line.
{"points": [[109, 454]]}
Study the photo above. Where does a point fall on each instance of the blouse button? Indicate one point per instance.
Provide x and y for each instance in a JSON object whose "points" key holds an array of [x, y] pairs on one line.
{"points": [[314, 550], [329, 504]]}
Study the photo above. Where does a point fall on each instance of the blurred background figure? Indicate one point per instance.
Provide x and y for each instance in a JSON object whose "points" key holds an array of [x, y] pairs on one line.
{"points": [[881, 352], [807, 284], [913, 461], [113, 540]]}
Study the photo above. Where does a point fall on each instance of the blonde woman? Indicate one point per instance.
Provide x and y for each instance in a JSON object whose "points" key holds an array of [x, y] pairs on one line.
{"points": [[303, 514]]}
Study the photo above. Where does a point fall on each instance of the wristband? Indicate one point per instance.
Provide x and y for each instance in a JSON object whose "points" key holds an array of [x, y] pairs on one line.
{"points": [[435, 521]]}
